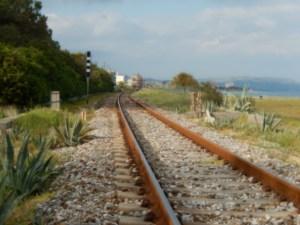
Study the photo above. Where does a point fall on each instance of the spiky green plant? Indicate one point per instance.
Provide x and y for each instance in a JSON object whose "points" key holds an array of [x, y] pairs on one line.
{"points": [[73, 132], [26, 173], [244, 103], [269, 122], [8, 199], [22, 175]]}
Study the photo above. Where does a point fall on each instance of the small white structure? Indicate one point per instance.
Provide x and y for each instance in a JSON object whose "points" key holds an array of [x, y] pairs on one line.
{"points": [[229, 85], [120, 78], [55, 100]]}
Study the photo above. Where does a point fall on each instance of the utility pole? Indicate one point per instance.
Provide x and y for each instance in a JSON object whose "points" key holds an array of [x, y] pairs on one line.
{"points": [[88, 74]]}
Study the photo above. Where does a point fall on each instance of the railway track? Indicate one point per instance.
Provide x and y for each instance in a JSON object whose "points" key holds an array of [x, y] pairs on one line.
{"points": [[194, 186], [141, 199]]}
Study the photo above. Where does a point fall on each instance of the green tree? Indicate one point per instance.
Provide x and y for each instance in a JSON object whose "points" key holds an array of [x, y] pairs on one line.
{"points": [[22, 24], [101, 80], [32, 64], [22, 76], [210, 93], [185, 81]]}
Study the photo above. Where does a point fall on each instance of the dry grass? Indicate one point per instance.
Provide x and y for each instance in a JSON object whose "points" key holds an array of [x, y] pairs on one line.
{"points": [[165, 98], [287, 108], [24, 213], [93, 101], [8, 111]]}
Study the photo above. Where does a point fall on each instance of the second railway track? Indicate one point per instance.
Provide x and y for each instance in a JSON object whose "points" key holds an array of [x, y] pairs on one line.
{"points": [[200, 187]]}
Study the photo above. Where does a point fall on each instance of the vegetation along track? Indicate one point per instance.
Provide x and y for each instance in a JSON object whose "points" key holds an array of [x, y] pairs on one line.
{"points": [[201, 187]]}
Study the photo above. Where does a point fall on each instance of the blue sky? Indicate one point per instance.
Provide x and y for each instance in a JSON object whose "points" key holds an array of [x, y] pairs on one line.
{"points": [[209, 38]]}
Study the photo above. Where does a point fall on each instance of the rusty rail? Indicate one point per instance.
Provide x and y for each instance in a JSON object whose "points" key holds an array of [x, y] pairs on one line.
{"points": [[161, 206], [284, 189]]}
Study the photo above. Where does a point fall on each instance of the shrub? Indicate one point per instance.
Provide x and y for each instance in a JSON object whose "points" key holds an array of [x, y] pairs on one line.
{"points": [[211, 94], [73, 132]]}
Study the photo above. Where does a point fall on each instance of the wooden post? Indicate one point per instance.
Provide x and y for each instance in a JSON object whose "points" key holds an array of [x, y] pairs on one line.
{"points": [[199, 104], [55, 100], [192, 97], [83, 115], [196, 104]]}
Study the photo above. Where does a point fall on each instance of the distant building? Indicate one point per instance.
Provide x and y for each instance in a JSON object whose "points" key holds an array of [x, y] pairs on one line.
{"points": [[120, 78], [136, 82], [129, 82], [229, 85]]}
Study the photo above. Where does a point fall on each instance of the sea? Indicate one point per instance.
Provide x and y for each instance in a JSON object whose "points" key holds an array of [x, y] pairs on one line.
{"points": [[256, 93]]}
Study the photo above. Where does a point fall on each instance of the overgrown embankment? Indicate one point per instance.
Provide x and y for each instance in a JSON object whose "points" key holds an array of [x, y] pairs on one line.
{"points": [[273, 122]]}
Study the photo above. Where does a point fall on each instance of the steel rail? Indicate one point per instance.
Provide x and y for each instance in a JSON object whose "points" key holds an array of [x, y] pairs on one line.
{"points": [[161, 205], [283, 188]]}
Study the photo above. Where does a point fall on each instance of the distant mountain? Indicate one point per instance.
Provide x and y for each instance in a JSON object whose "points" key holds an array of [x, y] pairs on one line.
{"points": [[269, 85], [152, 81]]}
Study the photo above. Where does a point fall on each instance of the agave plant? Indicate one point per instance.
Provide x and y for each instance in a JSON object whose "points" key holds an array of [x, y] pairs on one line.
{"points": [[27, 173], [22, 175], [269, 122], [244, 103], [74, 132], [8, 199]]}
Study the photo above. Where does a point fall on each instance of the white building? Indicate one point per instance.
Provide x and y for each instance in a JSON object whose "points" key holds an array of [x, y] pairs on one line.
{"points": [[120, 78]]}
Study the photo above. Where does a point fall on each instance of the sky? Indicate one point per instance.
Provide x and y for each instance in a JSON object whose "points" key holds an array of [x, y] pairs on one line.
{"points": [[211, 39]]}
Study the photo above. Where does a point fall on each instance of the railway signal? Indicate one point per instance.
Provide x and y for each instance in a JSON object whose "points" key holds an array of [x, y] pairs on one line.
{"points": [[88, 74]]}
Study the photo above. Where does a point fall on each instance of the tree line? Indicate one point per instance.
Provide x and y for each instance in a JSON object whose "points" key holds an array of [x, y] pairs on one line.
{"points": [[32, 63]]}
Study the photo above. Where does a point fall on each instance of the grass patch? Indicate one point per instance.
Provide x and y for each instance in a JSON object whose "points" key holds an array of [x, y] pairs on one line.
{"points": [[8, 111], [285, 140], [94, 101], [287, 108], [39, 121], [165, 98], [25, 212]]}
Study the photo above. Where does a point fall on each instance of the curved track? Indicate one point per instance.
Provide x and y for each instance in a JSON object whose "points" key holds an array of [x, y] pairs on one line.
{"points": [[201, 187]]}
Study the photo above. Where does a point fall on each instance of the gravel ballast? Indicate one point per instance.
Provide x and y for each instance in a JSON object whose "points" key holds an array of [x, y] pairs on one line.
{"points": [[84, 192], [197, 182], [261, 157]]}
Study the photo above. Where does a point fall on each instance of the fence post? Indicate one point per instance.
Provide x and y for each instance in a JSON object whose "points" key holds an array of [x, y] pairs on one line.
{"points": [[196, 104], [55, 100]]}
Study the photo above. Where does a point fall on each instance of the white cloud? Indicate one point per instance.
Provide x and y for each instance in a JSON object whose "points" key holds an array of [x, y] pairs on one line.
{"points": [[58, 24], [243, 31], [249, 30]]}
